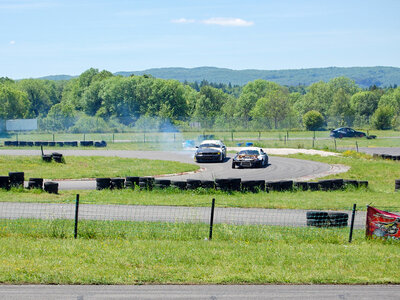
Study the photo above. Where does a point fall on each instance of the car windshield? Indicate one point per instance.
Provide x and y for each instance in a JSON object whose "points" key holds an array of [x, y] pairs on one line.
{"points": [[210, 146], [248, 152]]}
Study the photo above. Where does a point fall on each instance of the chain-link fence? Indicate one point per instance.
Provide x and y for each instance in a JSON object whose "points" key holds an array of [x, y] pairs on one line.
{"points": [[211, 221]]}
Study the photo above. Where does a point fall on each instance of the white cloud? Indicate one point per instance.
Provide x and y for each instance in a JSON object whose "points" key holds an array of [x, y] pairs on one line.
{"points": [[236, 22], [12, 42], [183, 21]]}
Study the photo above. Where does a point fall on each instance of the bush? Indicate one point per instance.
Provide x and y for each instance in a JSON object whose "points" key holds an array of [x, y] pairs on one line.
{"points": [[313, 120], [382, 118]]}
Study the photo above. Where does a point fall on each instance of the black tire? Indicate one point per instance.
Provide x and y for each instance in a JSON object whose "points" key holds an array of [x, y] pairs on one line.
{"points": [[60, 144], [233, 165], [318, 222], [16, 179], [35, 183], [301, 185], [117, 183], [86, 143], [286, 185], [58, 158], [235, 184], [166, 182], [222, 184], [146, 183], [351, 183], [52, 144], [103, 183], [22, 143], [38, 144], [45, 143], [317, 215], [274, 186], [192, 184], [51, 187], [47, 157], [363, 184], [337, 219], [208, 184], [7, 143], [160, 186], [178, 184], [313, 186], [260, 186], [5, 182], [337, 184], [131, 181], [325, 185], [249, 186]]}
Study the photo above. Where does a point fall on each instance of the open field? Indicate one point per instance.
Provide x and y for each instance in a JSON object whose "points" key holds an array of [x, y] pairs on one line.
{"points": [[129, 261], [90, 167]]}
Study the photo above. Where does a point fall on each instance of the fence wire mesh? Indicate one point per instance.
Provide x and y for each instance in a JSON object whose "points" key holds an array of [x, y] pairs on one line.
{"points": [[228, 222]]}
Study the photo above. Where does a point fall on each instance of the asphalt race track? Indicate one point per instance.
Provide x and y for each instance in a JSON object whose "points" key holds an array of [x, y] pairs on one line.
{"points": [[215, 292], [279, 168]]}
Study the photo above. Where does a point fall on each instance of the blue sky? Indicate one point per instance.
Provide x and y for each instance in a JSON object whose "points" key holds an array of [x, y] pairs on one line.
{"points": [[40, 38]]}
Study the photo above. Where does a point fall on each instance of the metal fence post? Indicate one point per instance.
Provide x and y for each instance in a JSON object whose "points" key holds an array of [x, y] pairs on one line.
{"points": [[357, 146], [335, 143], [76, 216], [352, 223], [211, 219]]}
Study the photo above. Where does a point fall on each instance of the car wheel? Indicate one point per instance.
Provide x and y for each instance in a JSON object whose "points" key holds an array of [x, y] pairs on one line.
{"points": [[221, 158], [233, 165]]}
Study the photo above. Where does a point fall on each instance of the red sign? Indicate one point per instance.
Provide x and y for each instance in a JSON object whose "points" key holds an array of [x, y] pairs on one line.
{"points": [[382, 224]]}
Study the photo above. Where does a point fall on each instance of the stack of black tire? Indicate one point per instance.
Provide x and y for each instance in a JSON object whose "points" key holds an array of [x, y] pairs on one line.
{"points": [[16, 179], [117, 183], [51, 187], [131, 182], [5, 182], [162, 183], [35, 183], [178, 184], [146, 183], [57, 157], [329, 184], [103, 183], [87, 143], [100, 144], [397, 185], [327, 219]]}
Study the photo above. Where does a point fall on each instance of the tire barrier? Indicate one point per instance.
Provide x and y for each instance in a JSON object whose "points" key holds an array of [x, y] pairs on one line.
{"points": [[35, 183], [386, 156], [5, 182], [117, 183], [352, 183], [131, 182], [301, 185], [222, 184], [54, 144], [162, 183], [51, 187], [16, 179], [327, 219], [280, 186], [86, 143], [103, 183], [101, 144], [146, 183], [192, 184], [178, 184], [208, 184]]}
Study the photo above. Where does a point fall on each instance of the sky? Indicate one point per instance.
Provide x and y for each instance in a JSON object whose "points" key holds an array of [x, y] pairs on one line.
{"points": [[43, 37]]}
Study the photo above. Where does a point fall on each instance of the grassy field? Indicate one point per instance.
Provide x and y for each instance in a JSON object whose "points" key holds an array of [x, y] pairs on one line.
{"points": [[90, 167], [45, 260]]}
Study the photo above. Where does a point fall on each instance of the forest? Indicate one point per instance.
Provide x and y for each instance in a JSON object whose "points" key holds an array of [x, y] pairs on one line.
{"points": [[99, 101]]}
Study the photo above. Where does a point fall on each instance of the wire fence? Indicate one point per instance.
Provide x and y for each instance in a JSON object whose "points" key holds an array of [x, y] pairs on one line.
{"points": [[214, 220]]}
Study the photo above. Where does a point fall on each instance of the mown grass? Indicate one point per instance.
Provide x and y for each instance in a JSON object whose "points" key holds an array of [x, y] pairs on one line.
{"points": [[77, 167], [169, 261]]}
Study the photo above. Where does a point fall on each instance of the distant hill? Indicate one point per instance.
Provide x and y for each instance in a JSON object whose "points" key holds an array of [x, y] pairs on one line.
{"points": [[57, 77], [363, 76]]}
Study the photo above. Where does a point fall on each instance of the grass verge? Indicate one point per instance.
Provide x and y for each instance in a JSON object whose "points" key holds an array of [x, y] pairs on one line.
{"points": [[126, 261]]}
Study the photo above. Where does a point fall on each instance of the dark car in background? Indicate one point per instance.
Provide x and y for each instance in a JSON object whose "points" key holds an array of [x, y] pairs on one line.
{"points": [[346, 132], [210, 150]]}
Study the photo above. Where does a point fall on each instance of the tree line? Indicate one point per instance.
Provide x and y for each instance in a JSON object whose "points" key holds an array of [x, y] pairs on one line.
{"points": [[99, 101]]}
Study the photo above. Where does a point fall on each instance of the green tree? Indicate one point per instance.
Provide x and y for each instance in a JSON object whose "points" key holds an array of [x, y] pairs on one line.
{"points": [[14, 104], [209, 105], [382, 118], [38, 94], [274, 105], [313, 120]]}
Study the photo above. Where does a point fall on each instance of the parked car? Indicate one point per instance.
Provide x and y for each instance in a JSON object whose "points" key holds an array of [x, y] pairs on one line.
{"points": [[250, 157], [210, 150], [346, 132]]}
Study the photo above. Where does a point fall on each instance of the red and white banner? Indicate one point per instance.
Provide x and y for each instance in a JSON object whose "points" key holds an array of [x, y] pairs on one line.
{"points": [[382, 224]]}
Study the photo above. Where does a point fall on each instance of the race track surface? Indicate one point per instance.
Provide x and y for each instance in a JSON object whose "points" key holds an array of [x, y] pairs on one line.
{"points": [[279, 168]]}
